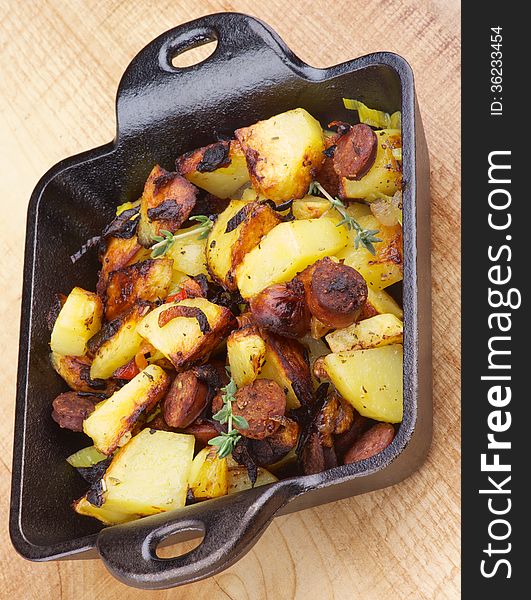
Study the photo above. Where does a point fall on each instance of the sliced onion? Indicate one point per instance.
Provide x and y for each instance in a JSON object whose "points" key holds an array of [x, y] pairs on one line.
{"points": [[388, 210]]}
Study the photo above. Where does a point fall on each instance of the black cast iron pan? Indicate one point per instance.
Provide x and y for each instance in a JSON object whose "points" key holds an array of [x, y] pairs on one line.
{"points": [[163, 111]]}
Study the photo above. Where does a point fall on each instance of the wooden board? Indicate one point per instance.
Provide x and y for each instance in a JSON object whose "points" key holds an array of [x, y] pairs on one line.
{"points": [[60, 66]]}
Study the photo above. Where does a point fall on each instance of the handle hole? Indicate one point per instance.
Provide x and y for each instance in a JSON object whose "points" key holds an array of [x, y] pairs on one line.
{"points": [[174, 545], [194, 56]]}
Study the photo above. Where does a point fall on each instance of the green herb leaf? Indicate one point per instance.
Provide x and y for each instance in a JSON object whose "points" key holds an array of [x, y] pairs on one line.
{"points": [[222, 415], [165, 241], [226, 441], [217, 441], [230, 389], [365, 237], [240, 421]]}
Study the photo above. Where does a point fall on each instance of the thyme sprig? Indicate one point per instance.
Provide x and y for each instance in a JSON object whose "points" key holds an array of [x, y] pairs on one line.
{"points": [[365, 237], [165, 241], [226, 441]]}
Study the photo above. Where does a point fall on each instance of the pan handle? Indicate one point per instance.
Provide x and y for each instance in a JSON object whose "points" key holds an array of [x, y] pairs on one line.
{"points": [[230, 525], [249, 44]]}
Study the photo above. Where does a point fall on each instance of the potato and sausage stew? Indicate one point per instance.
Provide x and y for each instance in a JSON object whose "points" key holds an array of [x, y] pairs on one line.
{"points": [[241, 329]]}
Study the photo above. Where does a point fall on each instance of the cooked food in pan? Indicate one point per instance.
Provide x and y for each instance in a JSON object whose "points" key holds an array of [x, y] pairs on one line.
{"points": [[245, 324]]}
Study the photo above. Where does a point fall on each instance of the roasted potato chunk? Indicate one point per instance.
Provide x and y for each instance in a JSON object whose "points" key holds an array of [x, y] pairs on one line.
{"points": [[310, 207], [166, 203], [117, 415], [208, 475], [75, 370], [286, 364], [189, 254], [117, 343], [385, 174], [374, 332], [145, 281], [102, 513], [358, 210], [246, 353], [78, 320], [186, 340], [287, 250], [118, 253], [238, 229], [282, 153], [219, 168], [149, 474], [379, 302], [371, 380], [238, 479], [384, 268]]}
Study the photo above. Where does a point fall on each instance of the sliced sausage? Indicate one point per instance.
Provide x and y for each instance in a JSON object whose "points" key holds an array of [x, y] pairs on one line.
{"points": [[355, 152], [71, 409], [281, 308], [372, 442], [274, 447], [344, 441], [312, 456], [315, 457], [335, 293], [260, 403], [327, 175], [202, 430], [159, 424], [185, 401]]}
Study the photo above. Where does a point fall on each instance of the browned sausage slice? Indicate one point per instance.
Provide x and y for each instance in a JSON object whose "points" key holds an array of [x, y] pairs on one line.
{"points": [[355, 152], [315, 456], [281, 308], [335, 292], [185, 401], [372, 442], [327, 175], [71, 409], [259, 403], [312, 457], [158, 423], [274, 447], [344, 441], [202, 430]]}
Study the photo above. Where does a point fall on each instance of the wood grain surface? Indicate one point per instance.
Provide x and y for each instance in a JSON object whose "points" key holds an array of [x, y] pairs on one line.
{"points": [[61, 61]]}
